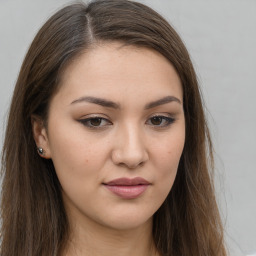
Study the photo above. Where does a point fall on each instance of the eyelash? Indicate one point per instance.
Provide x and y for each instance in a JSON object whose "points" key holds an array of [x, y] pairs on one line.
{"points": [[168, 121], [87, 122]]}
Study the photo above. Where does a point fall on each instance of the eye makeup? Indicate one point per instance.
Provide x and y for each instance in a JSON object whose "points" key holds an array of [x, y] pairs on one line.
{"points": [[99, 122]]}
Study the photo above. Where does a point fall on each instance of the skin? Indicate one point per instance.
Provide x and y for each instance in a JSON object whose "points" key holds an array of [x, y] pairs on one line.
{"points": [[126, 142]]}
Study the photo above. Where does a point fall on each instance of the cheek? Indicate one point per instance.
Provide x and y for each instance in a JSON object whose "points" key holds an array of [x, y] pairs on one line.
{"points": [[77, 158], [70, 143], [166, 160], [168, 152], [78, 163]]}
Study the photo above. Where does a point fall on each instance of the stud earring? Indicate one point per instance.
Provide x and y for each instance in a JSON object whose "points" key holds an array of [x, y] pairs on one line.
{"points": [[40, 151]]}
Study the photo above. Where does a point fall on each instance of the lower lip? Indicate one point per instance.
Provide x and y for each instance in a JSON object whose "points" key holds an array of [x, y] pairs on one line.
{"points": [[127, 192]]}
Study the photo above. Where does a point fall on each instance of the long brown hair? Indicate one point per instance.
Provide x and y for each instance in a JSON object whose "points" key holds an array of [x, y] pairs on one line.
{"points": [[34, 221]]}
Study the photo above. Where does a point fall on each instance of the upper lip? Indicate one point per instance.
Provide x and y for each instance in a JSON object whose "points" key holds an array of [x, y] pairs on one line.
{"points": [[127, 182]]}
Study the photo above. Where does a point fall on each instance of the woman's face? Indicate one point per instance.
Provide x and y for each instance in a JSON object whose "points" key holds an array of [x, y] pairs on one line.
{"points": [[115, 134]]}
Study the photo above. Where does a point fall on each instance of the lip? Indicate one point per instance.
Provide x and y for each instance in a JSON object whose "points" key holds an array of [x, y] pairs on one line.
{"points": [[127, 188]]}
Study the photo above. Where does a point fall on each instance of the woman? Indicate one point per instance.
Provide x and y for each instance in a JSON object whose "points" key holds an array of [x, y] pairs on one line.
{"points": [[107, 147]]}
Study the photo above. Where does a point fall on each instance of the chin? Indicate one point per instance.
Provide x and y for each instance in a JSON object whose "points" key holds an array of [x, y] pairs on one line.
{"points": [[128, 222]]}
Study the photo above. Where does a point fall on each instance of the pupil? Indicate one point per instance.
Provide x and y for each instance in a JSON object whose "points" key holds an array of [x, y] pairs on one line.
{"points": [[96, 121], [156, 120]]}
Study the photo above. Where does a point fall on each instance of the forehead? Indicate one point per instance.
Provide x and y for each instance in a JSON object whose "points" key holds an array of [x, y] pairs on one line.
{"points": [[111, 70]]}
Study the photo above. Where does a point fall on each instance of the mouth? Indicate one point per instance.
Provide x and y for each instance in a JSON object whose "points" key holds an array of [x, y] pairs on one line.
{"points": [[127, 188]]}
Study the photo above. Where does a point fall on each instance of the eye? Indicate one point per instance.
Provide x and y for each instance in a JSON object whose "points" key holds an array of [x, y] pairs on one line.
{"points": [[95, 122], [160, 121]]}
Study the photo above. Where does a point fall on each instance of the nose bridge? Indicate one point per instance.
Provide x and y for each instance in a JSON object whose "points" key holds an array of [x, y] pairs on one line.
{"points": [[133, 138], [130, 149]]}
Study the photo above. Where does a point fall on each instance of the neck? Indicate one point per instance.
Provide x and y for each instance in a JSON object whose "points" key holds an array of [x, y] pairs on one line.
{"points": [[92, 239]]}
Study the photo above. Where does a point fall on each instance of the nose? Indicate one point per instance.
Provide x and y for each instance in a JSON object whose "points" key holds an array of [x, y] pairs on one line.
{"points": [[130, 149]]}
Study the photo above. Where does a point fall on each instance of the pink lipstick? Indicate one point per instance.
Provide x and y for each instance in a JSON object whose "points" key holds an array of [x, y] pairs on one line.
{"points": [[127, 188]]}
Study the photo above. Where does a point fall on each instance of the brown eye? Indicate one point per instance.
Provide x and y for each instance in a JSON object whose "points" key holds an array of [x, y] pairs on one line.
{"points": [[96, 121], [156, 120], [160, 121]]}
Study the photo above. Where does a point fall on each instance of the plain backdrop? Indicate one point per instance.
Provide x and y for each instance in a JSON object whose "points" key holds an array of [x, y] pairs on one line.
{"points": [[221, 38]]}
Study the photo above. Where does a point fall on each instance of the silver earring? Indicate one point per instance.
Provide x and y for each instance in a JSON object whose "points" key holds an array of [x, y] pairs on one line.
{"points": [[40, 151]]}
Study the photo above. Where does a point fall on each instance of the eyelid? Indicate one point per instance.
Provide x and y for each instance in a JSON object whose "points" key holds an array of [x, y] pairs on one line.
{"points": [[167, 117], [86, 119], [167, 120]]}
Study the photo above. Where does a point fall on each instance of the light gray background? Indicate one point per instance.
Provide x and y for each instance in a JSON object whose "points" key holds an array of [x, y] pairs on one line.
{"points": [[221, 38]]}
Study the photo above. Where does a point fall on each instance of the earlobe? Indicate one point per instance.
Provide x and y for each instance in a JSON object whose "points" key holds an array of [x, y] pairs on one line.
{"points": [[40, 136]]}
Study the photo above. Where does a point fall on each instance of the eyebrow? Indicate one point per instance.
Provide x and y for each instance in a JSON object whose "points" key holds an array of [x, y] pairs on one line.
{"points": [[111, 104], [98, 101], [162, 101]]}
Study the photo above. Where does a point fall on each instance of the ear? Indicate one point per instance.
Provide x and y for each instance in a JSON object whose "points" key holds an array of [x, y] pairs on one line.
{"points": [[40, 136]]}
